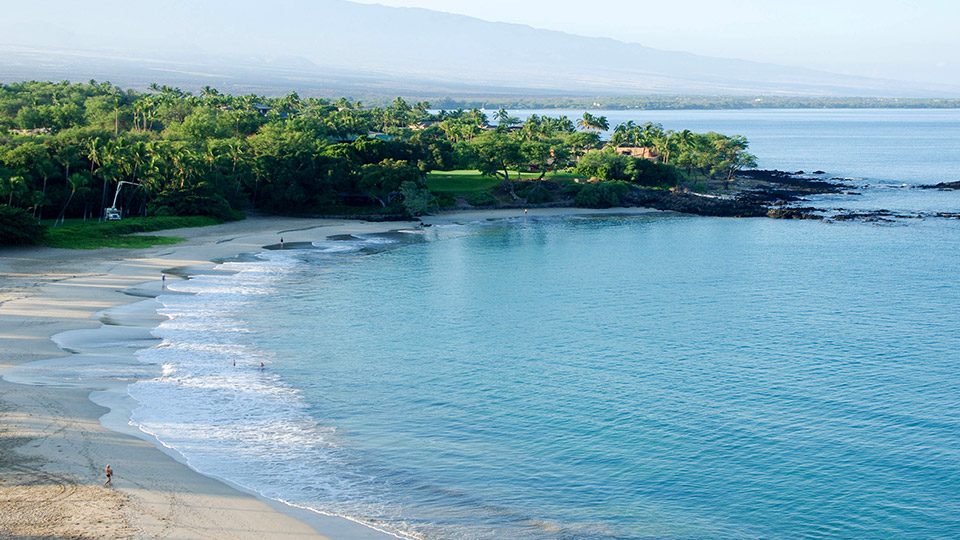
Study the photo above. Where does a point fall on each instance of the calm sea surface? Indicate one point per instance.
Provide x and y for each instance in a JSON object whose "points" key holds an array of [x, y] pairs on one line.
{"points": [[659, 377]]}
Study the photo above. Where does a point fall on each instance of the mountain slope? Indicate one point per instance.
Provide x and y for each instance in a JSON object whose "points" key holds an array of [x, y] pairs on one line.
{"points": [[404, 45]]}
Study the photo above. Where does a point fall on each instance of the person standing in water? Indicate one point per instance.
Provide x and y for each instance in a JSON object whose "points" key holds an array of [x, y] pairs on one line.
{"points": [[281, 242], [109, 472]]}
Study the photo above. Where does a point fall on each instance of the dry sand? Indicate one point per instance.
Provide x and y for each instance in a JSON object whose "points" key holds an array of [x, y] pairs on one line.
{"points": [[65, 311]]}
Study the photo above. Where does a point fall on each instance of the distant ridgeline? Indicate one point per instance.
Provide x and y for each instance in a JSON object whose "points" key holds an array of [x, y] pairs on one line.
{"points": [[72, 150]]}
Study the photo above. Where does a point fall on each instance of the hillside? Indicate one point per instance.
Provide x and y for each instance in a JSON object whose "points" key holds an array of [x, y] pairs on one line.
{"points": [[373, 50]]}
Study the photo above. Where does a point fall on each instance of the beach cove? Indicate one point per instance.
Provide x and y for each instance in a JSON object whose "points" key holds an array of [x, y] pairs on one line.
{"points": [[99, 306], [567, 373]]}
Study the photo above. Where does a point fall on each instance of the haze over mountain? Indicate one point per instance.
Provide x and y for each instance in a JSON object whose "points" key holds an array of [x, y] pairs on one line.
{"points": [[343, 47]]}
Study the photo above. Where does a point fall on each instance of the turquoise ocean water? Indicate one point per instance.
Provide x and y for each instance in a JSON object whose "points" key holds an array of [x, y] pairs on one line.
{"points": [[600, 378]]}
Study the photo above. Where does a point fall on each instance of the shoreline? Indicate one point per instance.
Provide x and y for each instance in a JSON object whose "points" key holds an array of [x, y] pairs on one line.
{"points": [[69, 309]]}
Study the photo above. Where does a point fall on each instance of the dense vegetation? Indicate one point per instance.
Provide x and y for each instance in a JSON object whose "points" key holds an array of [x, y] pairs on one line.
{"points": [[65, 149], [18, 227]]}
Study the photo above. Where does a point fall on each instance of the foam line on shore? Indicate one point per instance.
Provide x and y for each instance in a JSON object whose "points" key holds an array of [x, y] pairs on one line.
{"points": [[78, 303], [91, 303]]}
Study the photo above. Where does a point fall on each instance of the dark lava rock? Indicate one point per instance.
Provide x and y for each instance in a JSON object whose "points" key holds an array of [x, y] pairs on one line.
{"points": [[764, 174], [789, 181], [788, 212], [769, 196], [879, 216], [943, 185], [818, 172], [690, 203]]}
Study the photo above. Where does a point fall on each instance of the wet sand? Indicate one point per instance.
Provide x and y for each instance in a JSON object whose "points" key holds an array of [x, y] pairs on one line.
{"points": [[78, 317]]}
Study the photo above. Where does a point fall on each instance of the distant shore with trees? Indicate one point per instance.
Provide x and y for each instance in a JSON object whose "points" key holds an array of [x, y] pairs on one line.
{"points": [[683, 102]]}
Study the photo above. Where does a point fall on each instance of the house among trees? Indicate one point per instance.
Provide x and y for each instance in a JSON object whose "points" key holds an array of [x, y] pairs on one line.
{"points": [[34, 131], [423, 124], [261, 108], [644, 152]]}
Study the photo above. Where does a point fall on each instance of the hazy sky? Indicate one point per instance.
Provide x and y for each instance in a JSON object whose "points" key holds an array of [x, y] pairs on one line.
{"points": [[903, 39], [907, 40]]}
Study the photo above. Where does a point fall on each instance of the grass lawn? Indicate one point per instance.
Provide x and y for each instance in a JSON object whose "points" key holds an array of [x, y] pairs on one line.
{"points": [[120, 234], [470, 181], [464, 181]]}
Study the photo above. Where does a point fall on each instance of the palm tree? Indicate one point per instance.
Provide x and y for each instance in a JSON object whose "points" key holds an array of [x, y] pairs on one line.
{"points": [[137, 154], [66, 155], [590, 122], [478, 117], [13, 185], [36, 200], [182, 159], [76, 181], [586, 121], [684, 140], [504, 119], [664, 145], [290, 103], [535, 128], [564, 125], [144, 112], [93, 153], [625, 134], [237, 151], [601, 124], [151, 179]]}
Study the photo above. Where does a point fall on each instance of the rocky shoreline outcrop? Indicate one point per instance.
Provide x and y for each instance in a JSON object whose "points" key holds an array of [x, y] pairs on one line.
{"points": [[762, 193], [759, 193], [692, 203], [947, 186], [773, 194]]}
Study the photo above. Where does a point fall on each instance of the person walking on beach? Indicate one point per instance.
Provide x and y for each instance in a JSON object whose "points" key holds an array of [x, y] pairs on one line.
{"points": [[109, 472]]}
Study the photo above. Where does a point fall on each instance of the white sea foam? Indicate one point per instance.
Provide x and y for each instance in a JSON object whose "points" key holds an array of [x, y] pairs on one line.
{"points": [[337, 247], [376, 240], [228, 418], [356, 243]]}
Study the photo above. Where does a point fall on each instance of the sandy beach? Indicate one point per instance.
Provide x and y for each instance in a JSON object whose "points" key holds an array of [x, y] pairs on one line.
{"points": [[77, 317]]}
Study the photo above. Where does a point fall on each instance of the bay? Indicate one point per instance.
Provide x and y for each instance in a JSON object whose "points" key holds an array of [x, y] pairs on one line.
{"points": [[659, 377]]}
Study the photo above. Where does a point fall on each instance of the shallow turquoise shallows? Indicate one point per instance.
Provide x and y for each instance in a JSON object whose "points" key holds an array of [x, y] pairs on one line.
{"points": [[584, 378]]}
